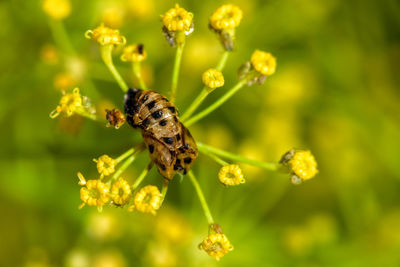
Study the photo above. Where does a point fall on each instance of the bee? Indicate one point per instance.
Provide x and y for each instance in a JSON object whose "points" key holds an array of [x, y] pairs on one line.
{"points": [[170, 144]]}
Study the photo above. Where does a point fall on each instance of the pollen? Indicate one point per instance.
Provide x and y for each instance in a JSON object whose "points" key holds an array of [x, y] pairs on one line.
{"points": [[69, 103], [121, 192], [263, 62], [177, 19], [226, 17], [213, 78], [105, 165], [57, 9], [304, 164], [105, 36], [134, 53], [93, 192], [148, 199], [231, 175], [216, 245]]}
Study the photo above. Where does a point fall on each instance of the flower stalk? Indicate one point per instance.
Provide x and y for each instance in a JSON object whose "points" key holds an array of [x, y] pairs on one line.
{"points": [[137, 71], [202, 199], [175, 72], [106, 55]]}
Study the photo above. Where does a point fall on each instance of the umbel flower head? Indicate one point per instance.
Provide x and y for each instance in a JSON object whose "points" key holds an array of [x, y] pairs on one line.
{"points": [[121, 192], [263, 62], [105, 165], [57, 9], [93, 192], [301, 164], [105, 36], [216, 245], [177, 19], [134, 53], [148, 199], [69, 103], [226, 17], [231, 175], [213, 78]]}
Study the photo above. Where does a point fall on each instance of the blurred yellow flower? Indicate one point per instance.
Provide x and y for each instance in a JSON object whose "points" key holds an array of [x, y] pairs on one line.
{"points": [[105, 36], [231, 175], [57, 9], [49, 54], [121, 192], [213, 78], [69, 103], [134, 53], [177, 19], [105, 165], [64, 81], [226, 17], [113, 16], [216, 245], [94, 192], [263, 62], [140, 9], [148, 199], [304, 164]]}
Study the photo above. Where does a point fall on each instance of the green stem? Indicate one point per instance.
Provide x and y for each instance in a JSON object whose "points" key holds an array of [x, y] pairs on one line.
{"points": [[106, 55], [164, 190], [212, 150], [216, 158], [123, 167], [61, 37], [202, 199], [175, 72], [217, 103], [88, 115], [142, 176], [222, 61], [125, 155], [136, 66], [204, 92]]}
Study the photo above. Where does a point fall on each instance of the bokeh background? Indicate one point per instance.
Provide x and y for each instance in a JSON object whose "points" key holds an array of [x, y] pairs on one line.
{"points": [[335, 91]]}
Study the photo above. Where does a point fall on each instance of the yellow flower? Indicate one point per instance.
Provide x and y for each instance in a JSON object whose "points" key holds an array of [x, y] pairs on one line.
{"points": [[94, 192], [134, 53], [213, 78], [121, 192], [105, 165], [148, 199], [69, 103], [216, 245], [177, 19], [64, 81], [263, 62], [304, 165], [226, 17], [105, 36], [49, 54], [57, 9], [231, 175], [113, 16]]}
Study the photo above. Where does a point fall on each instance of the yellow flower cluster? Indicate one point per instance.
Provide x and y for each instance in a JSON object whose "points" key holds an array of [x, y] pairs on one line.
{"points": [[213, 78], [177, 19], [105, 165], [105, 36], [93, 192], [69, 104], [148, 199], [304, 164], [134, 53], [216, 245], [231, 175], [121, 192], [263, 62], [226, 17], [57, 9]]}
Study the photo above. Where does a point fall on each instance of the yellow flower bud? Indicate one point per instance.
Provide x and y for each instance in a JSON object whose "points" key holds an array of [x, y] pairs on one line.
{"points": [[177, 19], [226, 17], [134, 53], [213, 78], [231, 175], [304, 165], [93, 192], [69, 103], [263, 62], [57, 9], [121, 192], [105, 165], [148, 199], [216, 245], [105, 36]]}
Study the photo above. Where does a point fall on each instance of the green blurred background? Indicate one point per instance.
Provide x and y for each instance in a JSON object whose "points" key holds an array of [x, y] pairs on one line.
{"points": [[335, 91]]}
